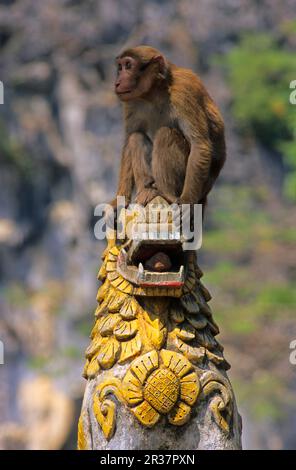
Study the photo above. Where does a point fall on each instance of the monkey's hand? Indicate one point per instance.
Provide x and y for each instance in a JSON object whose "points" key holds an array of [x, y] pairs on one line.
{"points": [[114, 202], [146, 195], [168, 197]]}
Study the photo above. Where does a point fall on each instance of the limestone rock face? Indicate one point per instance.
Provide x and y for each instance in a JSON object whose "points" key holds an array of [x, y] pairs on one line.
{"points": [[47, 415]]}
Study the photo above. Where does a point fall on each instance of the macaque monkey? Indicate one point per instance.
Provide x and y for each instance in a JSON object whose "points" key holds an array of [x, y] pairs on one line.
{"points": [[174, 144]]}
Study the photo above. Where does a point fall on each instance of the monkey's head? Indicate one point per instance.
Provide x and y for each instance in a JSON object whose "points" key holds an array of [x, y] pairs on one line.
{"points": [[138, 70]]}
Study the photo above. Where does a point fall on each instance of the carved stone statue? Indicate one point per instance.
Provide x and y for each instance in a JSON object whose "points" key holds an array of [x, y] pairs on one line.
{"points": [[156, 375]]}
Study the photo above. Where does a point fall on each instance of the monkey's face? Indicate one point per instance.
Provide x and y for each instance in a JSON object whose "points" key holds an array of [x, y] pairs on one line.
{"points": [[132, 82]]}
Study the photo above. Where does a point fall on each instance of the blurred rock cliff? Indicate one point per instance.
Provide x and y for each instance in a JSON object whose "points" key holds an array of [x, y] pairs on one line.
{"points": [[60, 140]]}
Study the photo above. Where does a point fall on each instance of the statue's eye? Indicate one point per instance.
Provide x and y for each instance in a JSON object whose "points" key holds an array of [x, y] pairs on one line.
{"points": [[128, 65]]}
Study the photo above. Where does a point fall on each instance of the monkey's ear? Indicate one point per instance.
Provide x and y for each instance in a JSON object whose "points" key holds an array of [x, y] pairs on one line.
{"points": [[160, 60]]}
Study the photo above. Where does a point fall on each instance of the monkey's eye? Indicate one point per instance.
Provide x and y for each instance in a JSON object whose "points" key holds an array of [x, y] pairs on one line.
{"points": [[119, 67], [128, 65]]}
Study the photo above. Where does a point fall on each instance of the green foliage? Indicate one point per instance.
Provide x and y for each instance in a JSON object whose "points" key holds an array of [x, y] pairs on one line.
{"points": [[267, 401], [260, 71], [71, 351], [84, 326], [239, 222], [15, 295], [37, 362], [287, 235], [223, 270]]}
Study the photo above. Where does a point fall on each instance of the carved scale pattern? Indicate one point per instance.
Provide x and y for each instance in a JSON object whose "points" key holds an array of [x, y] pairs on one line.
{"points": [[129, 322]]}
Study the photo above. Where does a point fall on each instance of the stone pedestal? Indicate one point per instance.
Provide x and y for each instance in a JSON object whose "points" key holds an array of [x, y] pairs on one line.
{"points": [[156, 374]]}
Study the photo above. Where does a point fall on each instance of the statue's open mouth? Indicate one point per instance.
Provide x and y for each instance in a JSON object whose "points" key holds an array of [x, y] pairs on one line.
{"points": [[153, 263]]}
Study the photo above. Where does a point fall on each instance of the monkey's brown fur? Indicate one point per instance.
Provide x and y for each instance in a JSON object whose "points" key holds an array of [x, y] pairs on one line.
{"points": [[174, 142]]}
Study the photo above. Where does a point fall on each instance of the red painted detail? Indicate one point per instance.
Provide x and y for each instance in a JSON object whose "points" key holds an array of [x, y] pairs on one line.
{"points": [[162, 284]]}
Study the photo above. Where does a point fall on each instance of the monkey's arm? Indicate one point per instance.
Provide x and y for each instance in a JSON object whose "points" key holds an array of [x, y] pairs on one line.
{"points": [[205, 132], [126, 176], [198, 169], [140, 148], [201, 123]]}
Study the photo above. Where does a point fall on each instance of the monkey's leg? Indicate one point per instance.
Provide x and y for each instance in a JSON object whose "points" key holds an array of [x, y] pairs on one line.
{"points": [[169, 161], [140, 148]]}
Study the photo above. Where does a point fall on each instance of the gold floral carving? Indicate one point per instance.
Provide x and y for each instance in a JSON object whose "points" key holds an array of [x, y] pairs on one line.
{"points": [[160, 384]]}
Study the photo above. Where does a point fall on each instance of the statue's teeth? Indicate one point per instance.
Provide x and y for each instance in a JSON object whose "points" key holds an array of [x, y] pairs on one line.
{"points": [[181, 272], [141, 269]]}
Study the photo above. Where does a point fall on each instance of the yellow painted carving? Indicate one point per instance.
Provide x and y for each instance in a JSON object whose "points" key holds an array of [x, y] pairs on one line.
{"points": [[103, 291], [108, 353], [219, 390], [130, 349], [155, 329], [160, 332], [143, 366], [176, 362], [146, 414], [185, 331], [180, 414], [161, 384], [195, 354], [162, 390], [107, 324], [102, 308], [102, 274], [115, 300], [81, 442], [130, 309], [126, 330], [125, 287], [93, 348], [105, 409], [105, 415], [92, 367]]}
